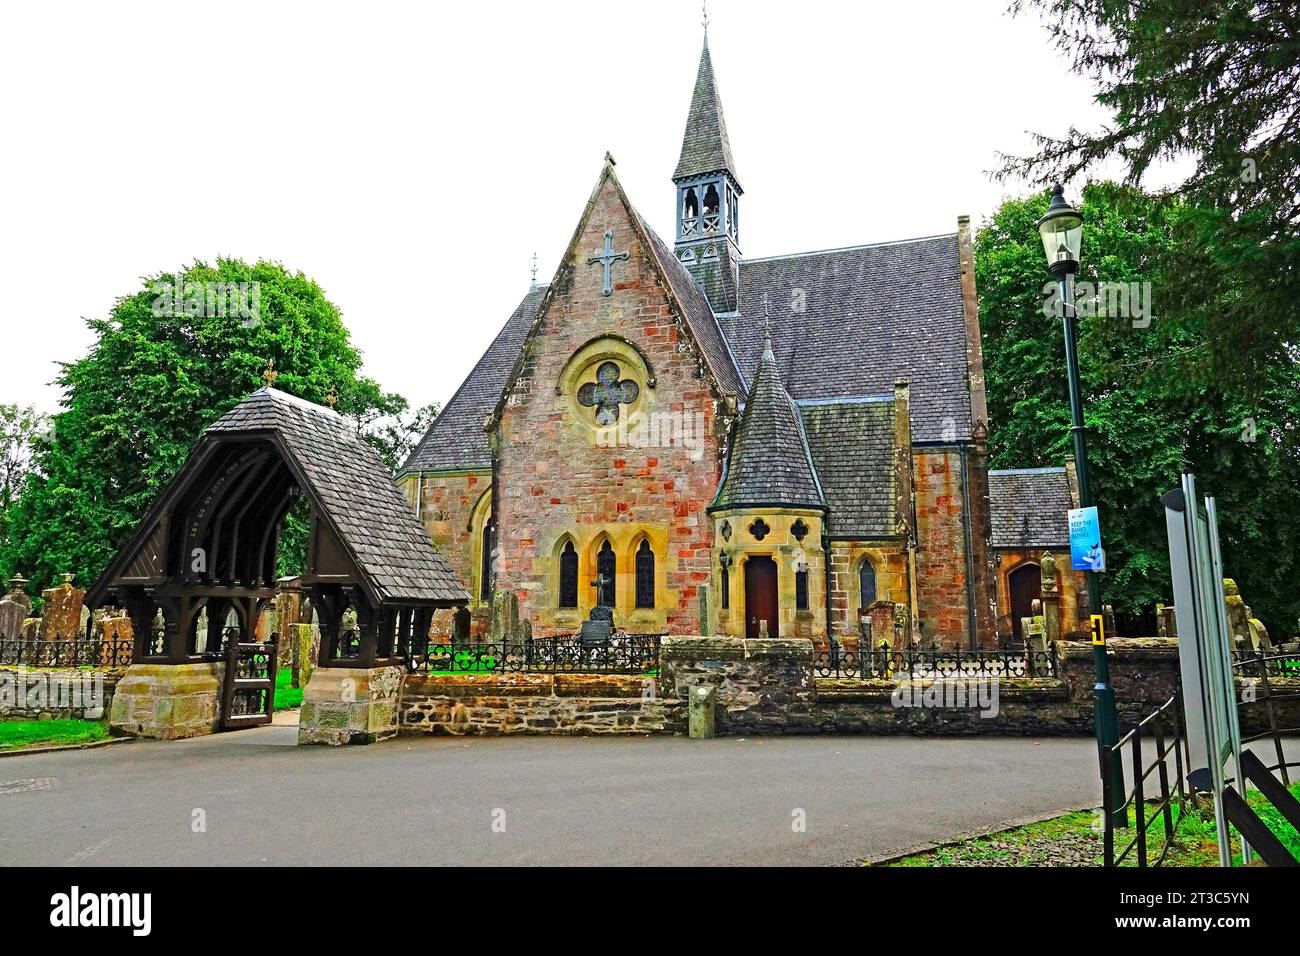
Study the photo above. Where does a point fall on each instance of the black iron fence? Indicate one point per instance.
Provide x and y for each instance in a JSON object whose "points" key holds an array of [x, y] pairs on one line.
{"points": [[59, 653], [1148, 747], [886, 664], [620, 654], [1268, 689]]}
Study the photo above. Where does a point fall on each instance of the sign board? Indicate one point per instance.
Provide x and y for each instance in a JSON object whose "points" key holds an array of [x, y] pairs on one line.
{"points": [[1086, 553], [1204, 647], [1098, 629]]}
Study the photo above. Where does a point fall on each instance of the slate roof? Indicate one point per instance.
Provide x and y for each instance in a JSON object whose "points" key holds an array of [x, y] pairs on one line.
{"points": [[705, 146], [1028, 507], [870, 315], [769, 462], [852, 446], [456, 439], [351, 484], [699, 315]]}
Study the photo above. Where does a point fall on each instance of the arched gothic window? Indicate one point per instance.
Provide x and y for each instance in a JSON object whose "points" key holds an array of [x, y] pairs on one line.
{"points": [[645, 575], [568, 576], [606, 574], [691, 208], [866, 584], [485, 563]]}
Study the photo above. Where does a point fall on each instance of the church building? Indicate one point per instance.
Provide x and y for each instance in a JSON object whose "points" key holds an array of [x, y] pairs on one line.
{"points": [[710, 444]]}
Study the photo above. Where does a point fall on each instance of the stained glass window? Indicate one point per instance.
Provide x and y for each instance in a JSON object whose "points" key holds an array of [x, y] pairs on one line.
{"points": [[801, 589], [485, 563], [568, 576], [645, 575], [866, 585], [606, 572]]}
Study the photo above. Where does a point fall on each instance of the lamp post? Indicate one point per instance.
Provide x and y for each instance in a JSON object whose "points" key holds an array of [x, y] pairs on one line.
{"points": [[1062, 232]]}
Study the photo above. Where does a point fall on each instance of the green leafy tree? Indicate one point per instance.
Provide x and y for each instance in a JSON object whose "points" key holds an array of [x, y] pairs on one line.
{"points": [[1145, 424], [165, 364], [1216, 81], [22, 428]]}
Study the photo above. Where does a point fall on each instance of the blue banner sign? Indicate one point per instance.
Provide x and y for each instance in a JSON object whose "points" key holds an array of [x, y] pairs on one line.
{"points": [[1086, 553]]}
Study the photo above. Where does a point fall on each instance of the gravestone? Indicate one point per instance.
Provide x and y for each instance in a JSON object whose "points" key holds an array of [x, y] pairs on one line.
{"points": [[706, 622], [288, 612], [62, 620], [15, 608], [460, 625], [599, 625]]}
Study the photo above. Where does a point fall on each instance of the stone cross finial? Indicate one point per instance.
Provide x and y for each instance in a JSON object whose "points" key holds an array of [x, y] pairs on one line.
{"points": [[269, 374], [331, 397], [533, 284], [607, 259]]}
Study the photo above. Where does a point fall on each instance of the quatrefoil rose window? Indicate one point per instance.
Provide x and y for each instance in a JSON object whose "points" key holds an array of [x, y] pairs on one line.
{"points": [[609, 391]]}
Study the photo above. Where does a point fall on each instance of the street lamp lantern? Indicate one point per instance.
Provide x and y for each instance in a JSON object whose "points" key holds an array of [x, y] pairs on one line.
{"points": [[1062, 232]]}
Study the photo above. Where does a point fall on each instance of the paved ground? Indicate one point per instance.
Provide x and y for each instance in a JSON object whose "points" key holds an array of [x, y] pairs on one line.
{"points": [[564, 800]]}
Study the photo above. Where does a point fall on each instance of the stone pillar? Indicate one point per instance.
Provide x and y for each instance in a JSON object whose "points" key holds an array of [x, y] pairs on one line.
{"points": [[706, 621], [350, 705], [304, 640], [168, 701], [1051, 598], [63, 605]]}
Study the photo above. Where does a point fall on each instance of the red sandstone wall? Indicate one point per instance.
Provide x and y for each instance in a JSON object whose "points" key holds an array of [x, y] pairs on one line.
{"points": [[552, 476], [941, 547]]}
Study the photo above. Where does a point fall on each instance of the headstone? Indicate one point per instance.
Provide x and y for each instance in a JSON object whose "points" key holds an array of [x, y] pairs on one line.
{"points": [[460, 625], [1162, 629], [880, 614], [63, 606], [599, 626], [1108, 612], [12, 615], [706, 622], [505, 618], [18, 593], [1238, 615], [1035, 631]]}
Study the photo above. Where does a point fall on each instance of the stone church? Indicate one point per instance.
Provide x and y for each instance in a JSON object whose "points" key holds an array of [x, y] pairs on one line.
{"points": [[706, 443]]}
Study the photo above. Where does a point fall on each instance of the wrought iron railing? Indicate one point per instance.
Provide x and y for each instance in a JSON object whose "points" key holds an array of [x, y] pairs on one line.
{"points": [[936, 664], [1163, 728], [620, 654], [58, 653], [1265, 669]]}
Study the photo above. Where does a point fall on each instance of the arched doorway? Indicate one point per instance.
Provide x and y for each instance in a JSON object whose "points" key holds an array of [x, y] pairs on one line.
{"points": [[761, 596], [1026, 586]]}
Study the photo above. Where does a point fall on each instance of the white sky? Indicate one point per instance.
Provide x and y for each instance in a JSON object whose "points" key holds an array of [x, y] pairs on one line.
{"points": [[412, 157]]}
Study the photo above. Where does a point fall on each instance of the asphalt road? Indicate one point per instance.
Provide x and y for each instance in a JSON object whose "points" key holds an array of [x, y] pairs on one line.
{"points": [[494, 801]]}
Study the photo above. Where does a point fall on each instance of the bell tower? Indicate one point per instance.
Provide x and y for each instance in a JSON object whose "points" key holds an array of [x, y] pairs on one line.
{"points": [[708, 195]]}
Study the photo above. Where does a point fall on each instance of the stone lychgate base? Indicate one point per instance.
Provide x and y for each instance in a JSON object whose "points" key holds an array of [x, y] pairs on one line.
{"points": [[167, 701], [350, 705]]}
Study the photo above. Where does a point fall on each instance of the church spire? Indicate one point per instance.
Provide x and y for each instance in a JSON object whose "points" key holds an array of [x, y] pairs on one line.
{"points": [[705, 146], [708, 194]]}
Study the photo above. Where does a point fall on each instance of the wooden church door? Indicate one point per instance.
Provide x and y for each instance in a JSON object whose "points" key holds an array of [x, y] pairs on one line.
{"points": [[1026, 586], [761, 596]]}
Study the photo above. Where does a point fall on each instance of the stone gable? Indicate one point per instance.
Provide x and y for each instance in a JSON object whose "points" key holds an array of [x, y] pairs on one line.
{"points": [[647, 472]]}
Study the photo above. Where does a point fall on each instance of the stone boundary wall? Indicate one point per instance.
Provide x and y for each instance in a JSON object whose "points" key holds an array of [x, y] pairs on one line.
{"points": [[499, 704], [12, 708], [767, 687]]}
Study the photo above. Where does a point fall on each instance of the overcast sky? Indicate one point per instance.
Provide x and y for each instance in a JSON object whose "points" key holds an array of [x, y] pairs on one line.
{"points": [[412, 157]]}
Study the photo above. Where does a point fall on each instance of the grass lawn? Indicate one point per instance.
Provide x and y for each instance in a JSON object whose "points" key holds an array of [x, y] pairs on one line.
{"points": [[21, 734], [286, 697], [1075, 839]]}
